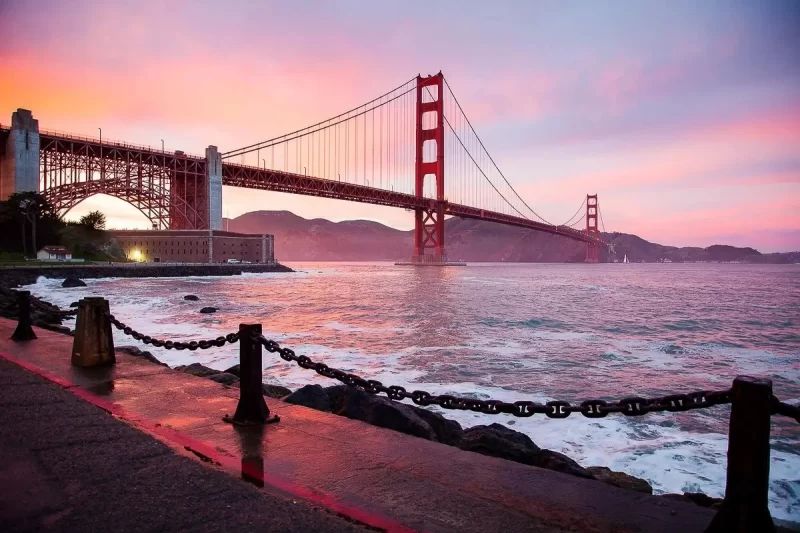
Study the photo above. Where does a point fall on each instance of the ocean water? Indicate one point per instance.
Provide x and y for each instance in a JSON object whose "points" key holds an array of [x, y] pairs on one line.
{"points": [[518, 332]]}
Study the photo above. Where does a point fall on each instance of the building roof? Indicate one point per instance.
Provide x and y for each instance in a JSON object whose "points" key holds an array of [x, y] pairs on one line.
{"points": [[55, 250]]}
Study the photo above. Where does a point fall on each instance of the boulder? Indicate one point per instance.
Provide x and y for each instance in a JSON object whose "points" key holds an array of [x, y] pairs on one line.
{"points": [[74, 304], [447, 431], [224, 378], [196, 369], [136, 352], [191, 297], [497, 440], [72, 281], [312, 396], [207, 310], [697, 498], [275, 391], [620, 479], [235, 370], [378, 411]]}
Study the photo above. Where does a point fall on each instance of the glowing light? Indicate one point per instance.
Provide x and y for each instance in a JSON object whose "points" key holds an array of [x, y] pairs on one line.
{"points": [[136, 255]]}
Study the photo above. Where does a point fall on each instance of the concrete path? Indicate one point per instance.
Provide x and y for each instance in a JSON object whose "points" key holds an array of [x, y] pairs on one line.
{"points": [[378, 477], [66, 465]]}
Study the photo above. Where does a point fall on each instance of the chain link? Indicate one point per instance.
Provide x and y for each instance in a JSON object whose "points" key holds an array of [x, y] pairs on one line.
{"points": [[44, 305], [785, 409], [174, 345], [555, 409]]}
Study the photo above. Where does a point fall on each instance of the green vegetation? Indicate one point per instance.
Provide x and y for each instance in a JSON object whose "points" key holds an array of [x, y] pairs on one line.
{"points": [[29, 222]]}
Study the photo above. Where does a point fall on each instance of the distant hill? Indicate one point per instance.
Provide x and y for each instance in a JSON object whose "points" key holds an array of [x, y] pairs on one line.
{"points": [[300, 239]]}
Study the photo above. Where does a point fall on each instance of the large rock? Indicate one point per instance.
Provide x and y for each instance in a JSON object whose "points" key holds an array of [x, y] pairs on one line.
{"points": [[497, 440], [275, 391], [312, 396], [74, 304], [235, 370], [72, 281], [447, 431], [144, 354], [697, 498], [191, 297], [224, 378], [206, 310], [196, 369], [378, 411], [620, 479]]}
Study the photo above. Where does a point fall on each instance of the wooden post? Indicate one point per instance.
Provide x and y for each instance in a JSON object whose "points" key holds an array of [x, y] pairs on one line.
{"points": [[252, 409], [93, 344], [24, 331], [745, 508]]}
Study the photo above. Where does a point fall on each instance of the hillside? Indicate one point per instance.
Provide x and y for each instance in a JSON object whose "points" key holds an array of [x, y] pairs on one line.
{"points": [[300, 239]]}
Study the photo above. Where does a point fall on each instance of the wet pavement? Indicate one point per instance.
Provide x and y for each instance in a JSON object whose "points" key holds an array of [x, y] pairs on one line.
{"points": [[66, 465], [375, 476]]}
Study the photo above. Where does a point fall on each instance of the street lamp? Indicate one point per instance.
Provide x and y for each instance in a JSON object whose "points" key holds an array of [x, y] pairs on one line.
{"points": [[162, 145]]}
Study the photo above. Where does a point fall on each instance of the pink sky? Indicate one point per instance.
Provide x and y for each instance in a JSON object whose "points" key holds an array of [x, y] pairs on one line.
{"points": [[684, 119]]}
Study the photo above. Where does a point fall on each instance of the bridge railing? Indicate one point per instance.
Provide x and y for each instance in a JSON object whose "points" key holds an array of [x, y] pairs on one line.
{"points": [[115, 143], [744, 508]]}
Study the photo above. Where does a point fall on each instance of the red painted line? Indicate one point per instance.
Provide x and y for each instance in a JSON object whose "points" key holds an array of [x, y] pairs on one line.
{"points": [[209, 451]]}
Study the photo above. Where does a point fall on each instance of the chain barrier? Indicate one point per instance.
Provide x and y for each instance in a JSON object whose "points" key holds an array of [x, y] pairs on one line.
{"points": [[785, 409], [174, 345], [634, 406], [44, 305]]}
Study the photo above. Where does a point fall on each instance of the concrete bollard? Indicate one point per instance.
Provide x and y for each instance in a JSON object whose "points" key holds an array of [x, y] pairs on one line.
{"points": [[24, 331], [93, 344], [745, 508], [252, 409]]}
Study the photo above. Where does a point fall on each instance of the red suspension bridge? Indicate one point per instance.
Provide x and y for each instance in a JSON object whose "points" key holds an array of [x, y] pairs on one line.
{"points": [[394, 150]]}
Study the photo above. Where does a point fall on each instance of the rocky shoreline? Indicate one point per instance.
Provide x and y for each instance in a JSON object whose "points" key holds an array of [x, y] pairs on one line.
{"points": [[11, 277]]}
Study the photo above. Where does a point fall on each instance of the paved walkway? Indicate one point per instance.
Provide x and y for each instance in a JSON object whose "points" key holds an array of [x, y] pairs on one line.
{"points": [[378, 477], [66, 465]]}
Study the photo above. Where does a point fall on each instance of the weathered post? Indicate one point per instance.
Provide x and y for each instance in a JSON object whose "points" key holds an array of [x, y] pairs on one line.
{"points": [[93, 344], [24, 331], [745, 508], [252, 409]]}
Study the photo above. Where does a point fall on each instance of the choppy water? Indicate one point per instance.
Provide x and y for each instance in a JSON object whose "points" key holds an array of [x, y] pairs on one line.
{"points": [[513, 332]]}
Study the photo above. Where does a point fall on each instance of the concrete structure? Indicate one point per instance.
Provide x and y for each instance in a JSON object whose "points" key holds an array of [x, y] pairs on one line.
{"points": [[19, 163], [214, 184], [195, 246], [54, 253]]}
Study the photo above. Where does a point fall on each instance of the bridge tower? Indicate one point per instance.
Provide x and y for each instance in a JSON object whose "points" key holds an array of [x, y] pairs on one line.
{"points": [[19, 158], [429, 221], [592, 250]]}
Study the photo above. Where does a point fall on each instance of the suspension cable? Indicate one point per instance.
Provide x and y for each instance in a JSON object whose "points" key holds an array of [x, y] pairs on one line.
{"points": [[576, 214], [488, 154], [282, 138]]}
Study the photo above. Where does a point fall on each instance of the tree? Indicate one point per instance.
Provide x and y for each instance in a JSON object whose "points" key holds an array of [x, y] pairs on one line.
{"points": [[31, 208], [94, 220]]}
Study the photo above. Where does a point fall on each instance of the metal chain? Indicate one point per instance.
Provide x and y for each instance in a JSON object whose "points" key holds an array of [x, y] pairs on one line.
{"points": [[785, 409], [634, 406], [44, 305], [176, 345]]}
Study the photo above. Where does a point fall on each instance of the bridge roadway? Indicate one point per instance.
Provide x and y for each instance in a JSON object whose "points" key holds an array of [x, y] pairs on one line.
{"points": [[77, 469], [124, 163]]}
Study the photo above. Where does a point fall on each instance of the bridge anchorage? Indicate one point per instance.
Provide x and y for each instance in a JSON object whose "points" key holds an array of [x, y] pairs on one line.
{"points": [[394, 150]]}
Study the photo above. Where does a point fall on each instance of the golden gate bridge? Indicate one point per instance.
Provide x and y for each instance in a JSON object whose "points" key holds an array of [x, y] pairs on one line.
{"points": [[412, 148]]}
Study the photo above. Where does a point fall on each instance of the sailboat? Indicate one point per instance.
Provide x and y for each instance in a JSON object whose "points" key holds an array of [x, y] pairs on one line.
{"points": [[625, 259]]}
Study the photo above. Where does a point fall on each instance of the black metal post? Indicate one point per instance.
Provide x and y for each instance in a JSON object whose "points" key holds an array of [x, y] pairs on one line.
{"points": [[252, 409], [93, 343], [745, 508], [24, 331]]}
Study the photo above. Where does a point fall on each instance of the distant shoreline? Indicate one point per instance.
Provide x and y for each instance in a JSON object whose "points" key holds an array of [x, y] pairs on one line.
{"points": [[25, 275]]}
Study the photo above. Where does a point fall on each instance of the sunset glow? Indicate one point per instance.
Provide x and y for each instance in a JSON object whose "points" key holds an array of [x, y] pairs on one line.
{"points": [[684, 117]]}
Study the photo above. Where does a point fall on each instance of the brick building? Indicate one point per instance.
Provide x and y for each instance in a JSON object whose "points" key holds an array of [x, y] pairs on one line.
{"points": [[195, 246]]}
